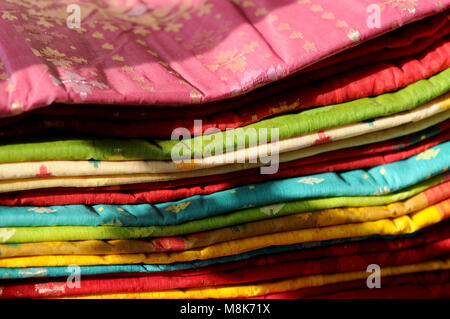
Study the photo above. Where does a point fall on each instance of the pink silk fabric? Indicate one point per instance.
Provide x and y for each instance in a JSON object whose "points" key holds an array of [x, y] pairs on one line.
{"points": [[176, 53]]}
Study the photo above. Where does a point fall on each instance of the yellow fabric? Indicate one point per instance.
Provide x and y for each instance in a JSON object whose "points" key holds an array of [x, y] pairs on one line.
{"points": [[274, 286], [400, 225]]}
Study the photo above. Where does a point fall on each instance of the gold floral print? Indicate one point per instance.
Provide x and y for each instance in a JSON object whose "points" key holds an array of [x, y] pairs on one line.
{"points": [[117, 57], [311, 180], [108, 46], [8, 16], [178, 207], [3, 74], [292, 34], [352, 33], [195, 96], [56, 57], [284, 107], [428, 154], [233, 60], [260, 12], [309, 46], [272, 210], [408, 5]]}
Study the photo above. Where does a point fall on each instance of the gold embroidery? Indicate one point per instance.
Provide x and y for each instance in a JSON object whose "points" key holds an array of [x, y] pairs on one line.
{"points": [[138, 78], [309, 46], [260, 12], [108, 46], [16, 108], [284, 26], [341, 24], [8, 16], [128, 68], [98, 35], [284, 107], [311, 180], [117, 57], [195, 96], [178, 207], [354, 35], [141, 42], [271, 18], [233, 60], [3, 75], [296, 35], [152, 53], [328, 16], [141, 31], [409, 5], [428, 154], [316, 8], [186, 166], [148, 88], [56, 57]]}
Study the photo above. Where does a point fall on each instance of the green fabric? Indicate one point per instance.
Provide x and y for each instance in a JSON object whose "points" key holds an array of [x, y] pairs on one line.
{"points": [[66, 233], [289, 125]]}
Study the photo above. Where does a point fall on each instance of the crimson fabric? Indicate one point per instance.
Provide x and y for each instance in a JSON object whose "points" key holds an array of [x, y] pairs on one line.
{"points": [[368, 80], [284, 266], [347, 159], [407, 291], [403, 42], [434, 284]]}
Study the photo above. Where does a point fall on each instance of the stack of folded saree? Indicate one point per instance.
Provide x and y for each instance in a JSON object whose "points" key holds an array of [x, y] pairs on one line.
{"points": [[224, 149]]}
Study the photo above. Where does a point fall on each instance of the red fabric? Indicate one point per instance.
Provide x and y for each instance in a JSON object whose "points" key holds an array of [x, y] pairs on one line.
{"points": [[369, 80], [407, 291], [253, 273], [346, 159], [435, 284]]}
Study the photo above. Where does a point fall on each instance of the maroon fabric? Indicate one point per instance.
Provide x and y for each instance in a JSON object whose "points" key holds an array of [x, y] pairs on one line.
{"points": [[435, 284]]}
